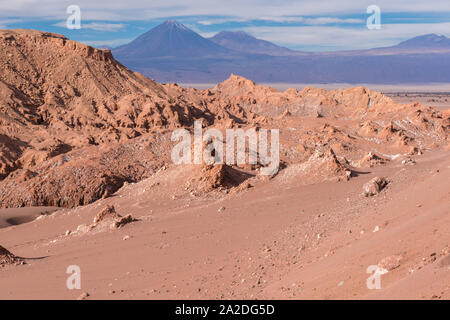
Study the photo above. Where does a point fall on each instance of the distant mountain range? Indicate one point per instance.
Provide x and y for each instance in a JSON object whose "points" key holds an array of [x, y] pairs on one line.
{"points": [[171, 52], [241, 41], [428, 41]]}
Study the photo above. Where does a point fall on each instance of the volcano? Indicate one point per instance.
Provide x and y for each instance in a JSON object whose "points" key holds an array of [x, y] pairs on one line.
{"points": [[170, 39]]}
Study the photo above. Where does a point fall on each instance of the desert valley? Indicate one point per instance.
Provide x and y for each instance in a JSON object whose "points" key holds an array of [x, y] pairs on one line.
{"points": [[86, 179]]}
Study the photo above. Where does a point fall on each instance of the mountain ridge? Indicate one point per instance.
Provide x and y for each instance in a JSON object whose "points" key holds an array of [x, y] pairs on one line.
{"points": [[243, 42], [425, 41], [171, 52]]}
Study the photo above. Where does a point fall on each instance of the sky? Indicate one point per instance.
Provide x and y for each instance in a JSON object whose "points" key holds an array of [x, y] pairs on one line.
{"points": [[312, 25]]}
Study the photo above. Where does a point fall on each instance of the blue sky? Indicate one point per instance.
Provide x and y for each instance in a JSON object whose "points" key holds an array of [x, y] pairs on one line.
{"points": [[303, 24]]}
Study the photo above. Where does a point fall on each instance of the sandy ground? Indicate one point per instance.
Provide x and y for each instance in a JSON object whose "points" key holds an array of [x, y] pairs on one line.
{"points": [[275, 241], [17, 216], [433, 99]]}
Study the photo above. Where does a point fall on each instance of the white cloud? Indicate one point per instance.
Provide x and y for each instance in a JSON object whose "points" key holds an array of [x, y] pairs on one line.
{"points": [[107, 43], [249, 9], [4, 23], [326, 38], [103, 26], [317, 34], [96, 26], [213, 21], [328, 20], [283, 19]]}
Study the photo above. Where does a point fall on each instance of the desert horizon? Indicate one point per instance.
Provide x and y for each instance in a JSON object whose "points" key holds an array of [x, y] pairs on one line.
{"points": [[435, 95], [419, 88], [116, 184]]}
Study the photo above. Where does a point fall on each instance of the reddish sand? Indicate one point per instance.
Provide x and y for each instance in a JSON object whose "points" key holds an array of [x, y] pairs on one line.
{"points": [[17, 216], [275, 241]]}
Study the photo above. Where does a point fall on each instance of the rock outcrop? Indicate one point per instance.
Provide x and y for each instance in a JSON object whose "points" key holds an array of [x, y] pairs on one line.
{"points": [[75, 124]]}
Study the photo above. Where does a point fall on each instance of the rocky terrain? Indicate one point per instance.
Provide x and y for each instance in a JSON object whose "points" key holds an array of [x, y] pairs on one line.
{"points": [[81, 133]]}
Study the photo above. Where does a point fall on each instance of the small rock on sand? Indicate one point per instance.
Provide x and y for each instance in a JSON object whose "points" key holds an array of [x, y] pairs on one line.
{"points": [[391, 262], [83, 296], [7, 258], [375, 186]]}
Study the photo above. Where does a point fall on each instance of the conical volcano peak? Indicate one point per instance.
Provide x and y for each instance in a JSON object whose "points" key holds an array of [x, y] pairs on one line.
{"points": [[169, 39], [174, 24]]}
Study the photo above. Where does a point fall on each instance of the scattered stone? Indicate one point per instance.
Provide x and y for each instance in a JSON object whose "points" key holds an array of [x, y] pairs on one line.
{"points": [[375, 186], [7, 258], [121, 221], [371, 160], [108, 218], [219, 177], [83, 296], [106, 213], [221, 209], [376, 229], [409, 161], [390, 263], [329, 253], [105, 194]]}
